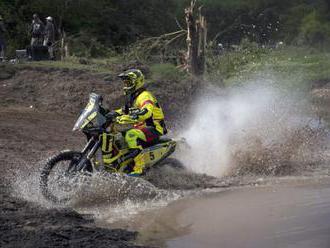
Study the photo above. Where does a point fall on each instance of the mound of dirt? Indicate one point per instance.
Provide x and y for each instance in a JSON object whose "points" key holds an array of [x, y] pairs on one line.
{"points": [[67, 91], [54, 90]]}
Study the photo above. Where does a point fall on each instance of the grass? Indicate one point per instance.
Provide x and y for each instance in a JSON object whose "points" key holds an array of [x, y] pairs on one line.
{"points": [[110, 66], [293, 67], [166, 72], [74, 63]]}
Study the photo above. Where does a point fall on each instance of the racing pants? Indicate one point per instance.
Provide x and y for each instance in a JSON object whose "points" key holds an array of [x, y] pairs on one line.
{"points": [[134, 137]]}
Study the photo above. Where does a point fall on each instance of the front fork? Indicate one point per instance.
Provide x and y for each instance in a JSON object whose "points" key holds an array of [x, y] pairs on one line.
{"points": [[88, 152]]}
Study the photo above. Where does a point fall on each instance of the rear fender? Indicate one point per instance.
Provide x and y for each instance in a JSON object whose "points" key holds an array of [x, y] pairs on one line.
{"points": [[156, 153]]}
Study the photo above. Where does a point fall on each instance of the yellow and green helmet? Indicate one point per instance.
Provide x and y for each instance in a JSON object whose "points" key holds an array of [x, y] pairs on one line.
{"points": [[133, 80]]}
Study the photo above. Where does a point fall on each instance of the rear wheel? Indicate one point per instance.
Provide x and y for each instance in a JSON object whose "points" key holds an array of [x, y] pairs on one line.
{"points": [[170, 162], [173, 163], [165, 174], [59, 176]]}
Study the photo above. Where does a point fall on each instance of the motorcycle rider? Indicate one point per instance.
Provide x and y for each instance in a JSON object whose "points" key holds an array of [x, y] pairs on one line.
{"points": [[142, 109]]}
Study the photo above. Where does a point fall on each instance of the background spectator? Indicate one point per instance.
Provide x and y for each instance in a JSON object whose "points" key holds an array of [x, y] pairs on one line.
{"points": [[2, 39], [49, 36], [37, 31]]}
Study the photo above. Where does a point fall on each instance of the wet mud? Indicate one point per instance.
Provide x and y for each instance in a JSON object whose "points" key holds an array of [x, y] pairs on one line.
{"points": [[26, 219], [27, 225], [30, 221], [168, 207]]}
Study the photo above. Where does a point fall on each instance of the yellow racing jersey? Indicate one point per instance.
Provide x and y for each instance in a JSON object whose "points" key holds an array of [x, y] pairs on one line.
{"points": [[152, 113]]}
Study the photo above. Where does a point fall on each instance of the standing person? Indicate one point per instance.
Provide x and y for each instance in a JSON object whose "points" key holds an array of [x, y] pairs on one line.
{"points": [[49, 38], [37, 31], [2, 39]]}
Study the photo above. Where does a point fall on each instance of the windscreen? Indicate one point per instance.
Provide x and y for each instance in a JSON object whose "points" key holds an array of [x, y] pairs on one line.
{"points": [[90, 114]]}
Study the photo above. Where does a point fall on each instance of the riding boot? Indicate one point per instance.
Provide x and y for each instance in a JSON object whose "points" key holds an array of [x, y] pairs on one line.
{"points": [[139, 165]]}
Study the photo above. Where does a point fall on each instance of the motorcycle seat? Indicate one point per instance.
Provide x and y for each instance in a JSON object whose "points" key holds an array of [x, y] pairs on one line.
{"points": [[159, 141], [163, 140]]}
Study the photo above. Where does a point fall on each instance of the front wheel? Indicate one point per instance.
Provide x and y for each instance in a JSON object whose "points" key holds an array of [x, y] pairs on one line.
{"points": [[59, 175]]}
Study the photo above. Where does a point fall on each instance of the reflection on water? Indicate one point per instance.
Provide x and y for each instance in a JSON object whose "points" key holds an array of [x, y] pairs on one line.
{"points": [[277, 216], [156, 221], [158, 226]]}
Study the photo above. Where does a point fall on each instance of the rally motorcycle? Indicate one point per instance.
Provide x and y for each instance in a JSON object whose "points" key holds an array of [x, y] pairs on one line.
{"points": [[106, 143]]}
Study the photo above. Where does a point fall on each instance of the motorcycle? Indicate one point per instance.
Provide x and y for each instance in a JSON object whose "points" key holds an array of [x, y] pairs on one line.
{"points": [[106, 143]]}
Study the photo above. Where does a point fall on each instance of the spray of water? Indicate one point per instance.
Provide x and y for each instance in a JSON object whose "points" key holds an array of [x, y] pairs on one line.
{"points": [[99, 188], [254, 126], [105, 196], [242, 122]]}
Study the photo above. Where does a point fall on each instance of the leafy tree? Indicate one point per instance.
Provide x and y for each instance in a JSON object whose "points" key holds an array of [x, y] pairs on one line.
{"points": [[118, 23]]}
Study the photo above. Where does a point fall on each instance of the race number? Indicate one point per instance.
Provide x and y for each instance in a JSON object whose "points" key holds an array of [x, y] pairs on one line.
{"points": [[152, 156]]}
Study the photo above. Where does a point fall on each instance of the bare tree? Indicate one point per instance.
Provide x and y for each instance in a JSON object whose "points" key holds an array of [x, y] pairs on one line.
{"points": [[196, 39]]}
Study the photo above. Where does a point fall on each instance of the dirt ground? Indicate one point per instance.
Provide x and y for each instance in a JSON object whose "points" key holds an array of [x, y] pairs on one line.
{"points": [[37, 111], [38, 108], [66, 91], [25, 136]]}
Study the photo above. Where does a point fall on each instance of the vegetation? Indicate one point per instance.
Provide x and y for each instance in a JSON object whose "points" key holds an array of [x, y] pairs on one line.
{"points": [[245, 37], [95, 27], [167, 72], [294, 67]]}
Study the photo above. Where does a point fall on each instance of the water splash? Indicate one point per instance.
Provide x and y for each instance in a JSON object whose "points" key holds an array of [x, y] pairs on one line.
{"points": [[248, 119], [102, 195]]}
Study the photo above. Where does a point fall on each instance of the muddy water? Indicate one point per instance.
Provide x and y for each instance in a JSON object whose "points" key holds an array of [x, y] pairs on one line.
{"points": [[269, 216]]}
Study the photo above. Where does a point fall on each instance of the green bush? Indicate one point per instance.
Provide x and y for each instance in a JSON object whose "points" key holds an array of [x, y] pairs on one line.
{"points": [[85, 46], [314, 30], [290, 67], [232, 62], [166, 72]]}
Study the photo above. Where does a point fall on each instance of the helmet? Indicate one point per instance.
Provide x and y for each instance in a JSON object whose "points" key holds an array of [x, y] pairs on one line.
{"points": [[49, 18], [133, 80]]}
